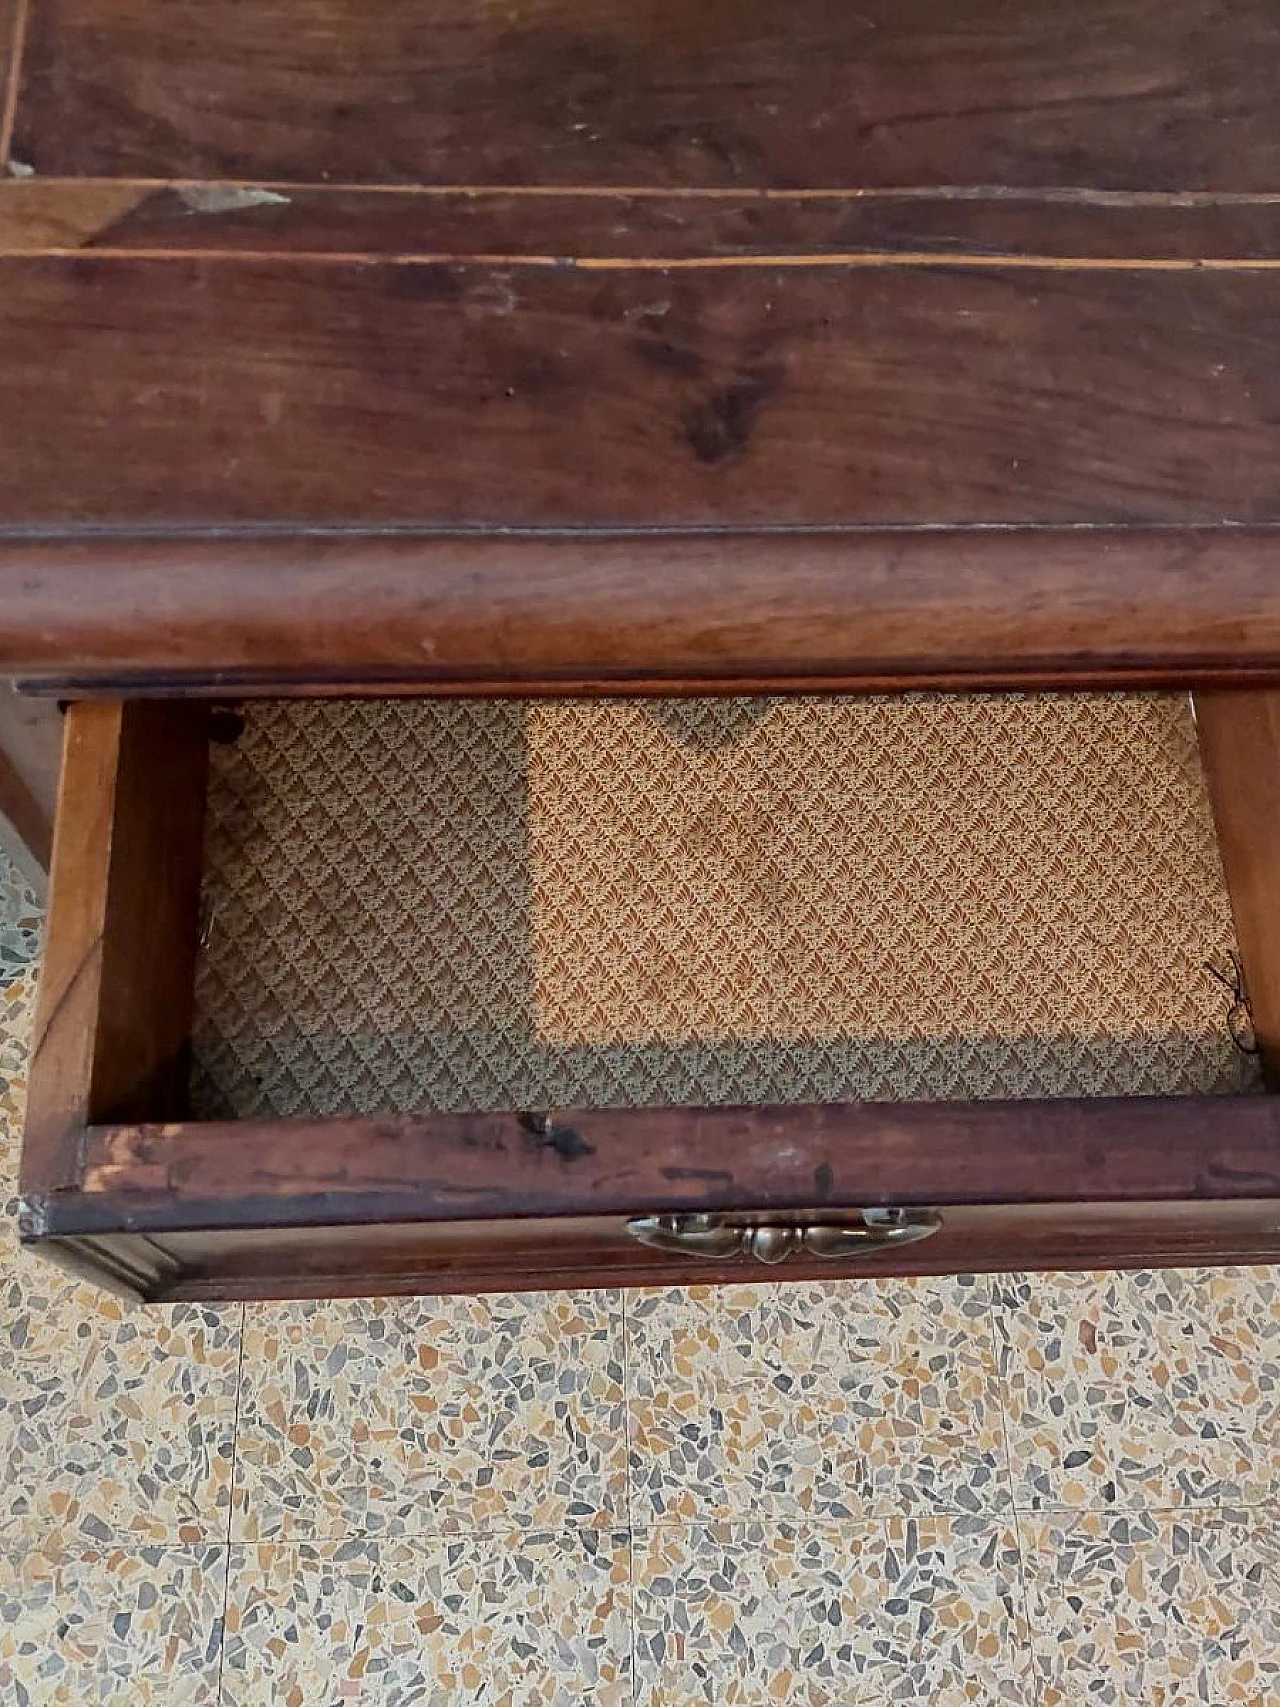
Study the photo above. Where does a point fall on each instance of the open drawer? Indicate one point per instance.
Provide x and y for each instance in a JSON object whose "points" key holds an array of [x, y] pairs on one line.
{"points": [[409, 995]]}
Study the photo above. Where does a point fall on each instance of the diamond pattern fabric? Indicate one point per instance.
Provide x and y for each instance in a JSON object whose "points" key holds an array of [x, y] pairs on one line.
{"points": [[417, 905]]}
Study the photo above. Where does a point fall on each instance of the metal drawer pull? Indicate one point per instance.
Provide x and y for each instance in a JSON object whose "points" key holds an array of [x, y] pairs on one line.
{"points": [[720, 1236]]}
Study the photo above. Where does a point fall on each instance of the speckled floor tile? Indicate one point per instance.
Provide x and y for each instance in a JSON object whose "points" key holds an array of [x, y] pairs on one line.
{"points": [[500, 1619], [826, 1400], [1157, 1609], [116, 1422], [901, 1610], [20, 924], [124, 1627], [1150, 1390], [408, 1417], [17, 1009]]}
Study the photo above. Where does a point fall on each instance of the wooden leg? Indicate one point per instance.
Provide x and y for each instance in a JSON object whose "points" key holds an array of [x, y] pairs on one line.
{"points": [[1240, 746]]}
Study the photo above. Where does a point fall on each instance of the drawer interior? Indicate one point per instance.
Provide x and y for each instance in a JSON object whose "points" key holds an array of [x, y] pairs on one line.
{"points": [[448, 905], [400, 995]]}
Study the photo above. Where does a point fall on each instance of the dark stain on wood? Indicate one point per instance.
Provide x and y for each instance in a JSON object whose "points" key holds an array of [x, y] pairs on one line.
{"points": [[721, 425], [545, 1132], [632, 1161], [199, 393], [671, 355]]}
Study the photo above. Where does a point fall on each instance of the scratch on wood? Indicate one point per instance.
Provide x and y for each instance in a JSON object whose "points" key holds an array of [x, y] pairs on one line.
{"points": [[227, 198], [49, 1019], [698, 1176]]}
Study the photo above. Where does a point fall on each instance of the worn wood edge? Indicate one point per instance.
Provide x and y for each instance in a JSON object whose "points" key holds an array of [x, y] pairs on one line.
{"points": [[139, 1268], [1047, 194], [69, 986], [300, 1172], [216, 1287], [647, 228], [1239, 738], [393, 1258], [130, 1267], [610, 611], [241, 1278], [772, 260], [911, 676], [11, 53]]}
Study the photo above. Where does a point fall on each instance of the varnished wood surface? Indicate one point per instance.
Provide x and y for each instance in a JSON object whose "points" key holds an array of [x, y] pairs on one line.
{"points": [[116, 980], [642, 612], [201, 392], [646, 226], [635, 1161], [1239, 736], [68, 1007], [10, 51], [1115, 94], [987, 394], [685, 269], [537, 1255]]}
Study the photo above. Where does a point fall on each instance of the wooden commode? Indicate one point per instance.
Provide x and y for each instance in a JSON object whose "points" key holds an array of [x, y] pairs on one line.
{"points": [[669, 625]]}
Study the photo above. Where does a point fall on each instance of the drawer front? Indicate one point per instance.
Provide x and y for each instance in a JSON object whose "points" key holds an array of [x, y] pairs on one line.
{"points": [[519, 1256]]}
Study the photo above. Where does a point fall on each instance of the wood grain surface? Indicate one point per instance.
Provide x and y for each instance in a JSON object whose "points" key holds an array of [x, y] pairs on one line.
{"points": [[925, 226], [639, 1161], [114, 1014], [202, 392], [527, 1255], [1105, 94], [1239, 737], [12, 22], [642, 612], [650, 269]]}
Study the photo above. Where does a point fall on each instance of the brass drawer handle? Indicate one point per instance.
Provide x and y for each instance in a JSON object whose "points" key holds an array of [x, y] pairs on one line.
{"points": [[721, 1236]]}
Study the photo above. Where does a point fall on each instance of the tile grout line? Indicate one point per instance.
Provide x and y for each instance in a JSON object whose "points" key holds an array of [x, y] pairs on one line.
{"points": [[231, 1503], [9, 106], [1014, 1512], [499, 1530], [625, 1293]]}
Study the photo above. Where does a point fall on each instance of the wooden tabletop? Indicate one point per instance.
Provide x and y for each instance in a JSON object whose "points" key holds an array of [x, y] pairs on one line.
{"points": [[604, 342]]}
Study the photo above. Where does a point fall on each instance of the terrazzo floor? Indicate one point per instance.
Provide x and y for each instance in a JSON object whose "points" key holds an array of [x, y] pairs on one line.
{"points": [[1048, 1490]]}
